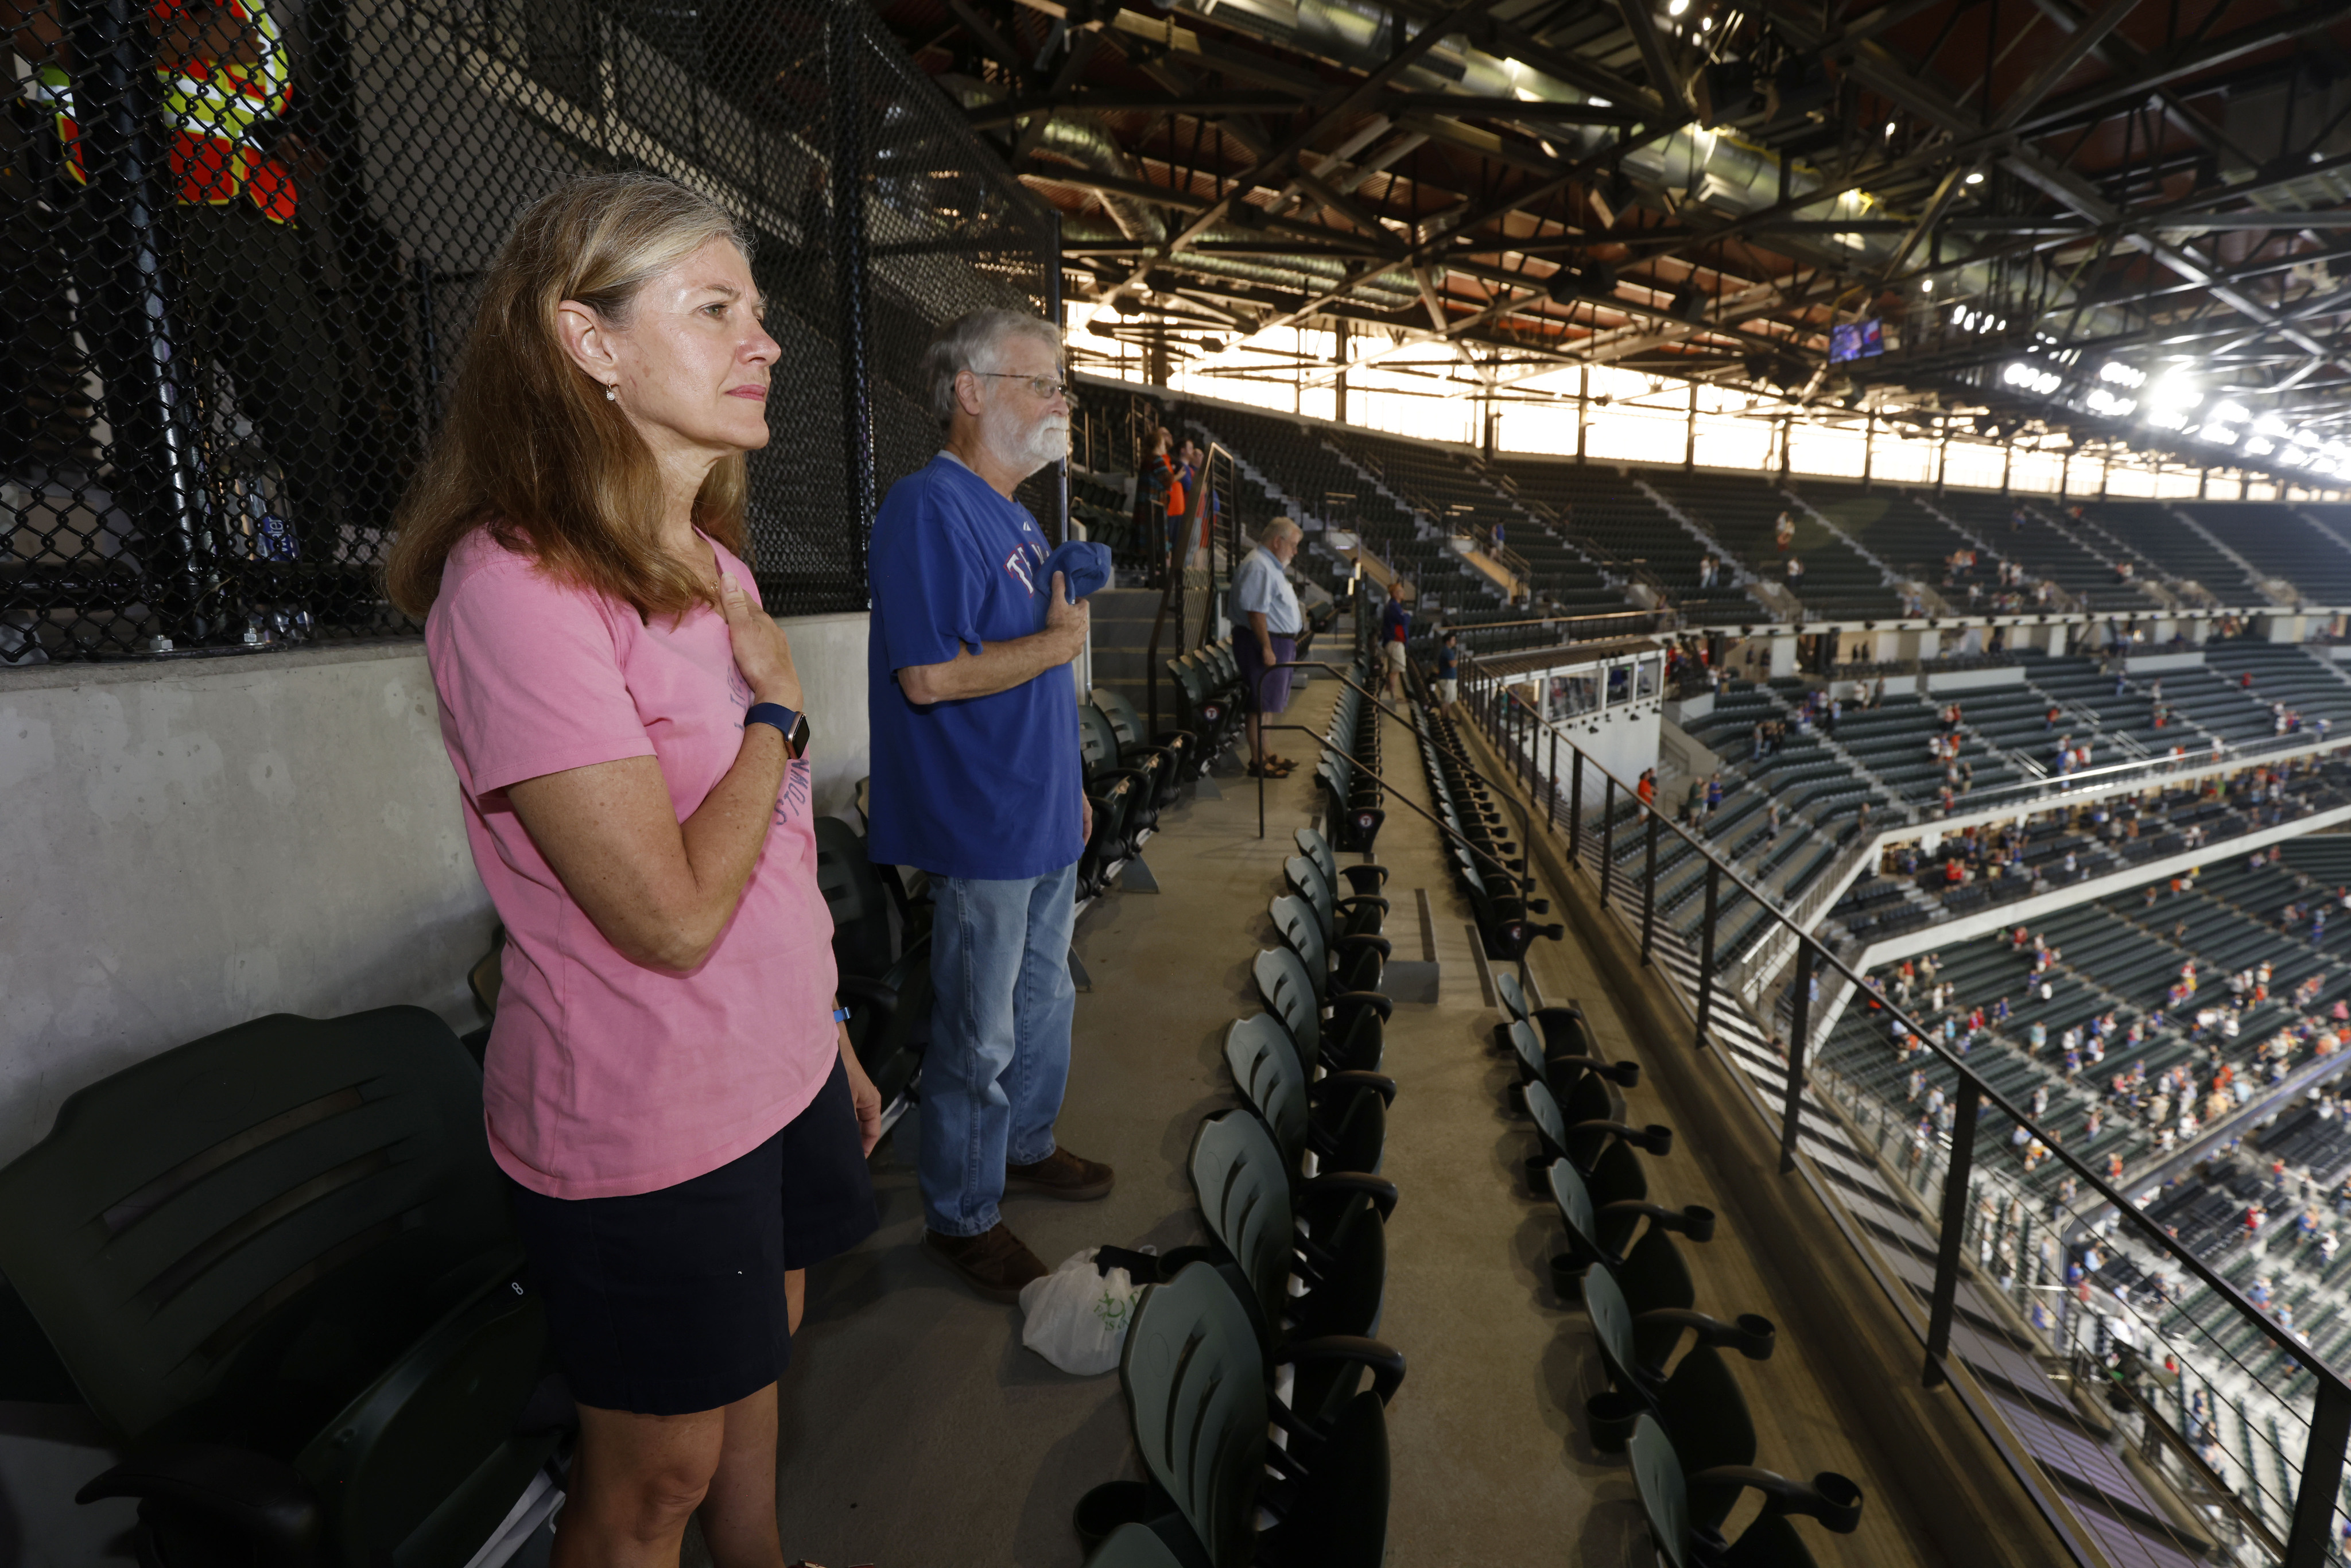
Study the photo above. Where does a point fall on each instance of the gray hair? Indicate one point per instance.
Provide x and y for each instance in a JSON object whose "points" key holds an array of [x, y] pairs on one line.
{"points": [[1281, 529], [969, 339]]}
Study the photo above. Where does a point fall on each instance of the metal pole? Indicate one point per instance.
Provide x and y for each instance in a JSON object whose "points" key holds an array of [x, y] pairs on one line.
{"points": [[1550, 795], [1955, 1219], [1649, 893], [1061, 518], [1801, 1027], [126, 316], [1706, 951], [844, 47], [2322, 1478], [1607, 832]]}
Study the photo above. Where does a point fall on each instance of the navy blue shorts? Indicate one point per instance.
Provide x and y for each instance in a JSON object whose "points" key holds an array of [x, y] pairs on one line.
{"points": [[670, 1301]]}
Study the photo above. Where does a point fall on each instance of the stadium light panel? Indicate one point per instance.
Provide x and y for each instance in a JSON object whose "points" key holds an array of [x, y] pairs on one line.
{"points": [[2221, 433], [2259, 446], [2234, 412], [2270, 425]]}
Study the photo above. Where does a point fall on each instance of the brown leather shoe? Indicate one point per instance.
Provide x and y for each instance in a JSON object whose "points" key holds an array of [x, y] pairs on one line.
{"points": [[1060, 1174], [994, 1263]]}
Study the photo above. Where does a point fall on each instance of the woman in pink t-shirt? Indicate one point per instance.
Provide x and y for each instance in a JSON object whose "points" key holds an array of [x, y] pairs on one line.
{"points": [[667, 1084]]}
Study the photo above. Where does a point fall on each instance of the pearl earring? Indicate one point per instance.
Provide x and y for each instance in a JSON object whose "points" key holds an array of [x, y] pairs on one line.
{"points": [[612, 395]]}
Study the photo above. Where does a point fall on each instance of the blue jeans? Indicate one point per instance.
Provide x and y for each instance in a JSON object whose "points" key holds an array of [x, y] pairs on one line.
{"points": [[999, 1052]]}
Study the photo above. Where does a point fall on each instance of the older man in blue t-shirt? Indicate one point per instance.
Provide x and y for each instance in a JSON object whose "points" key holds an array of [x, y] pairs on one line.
{"points": [[978, 781]]}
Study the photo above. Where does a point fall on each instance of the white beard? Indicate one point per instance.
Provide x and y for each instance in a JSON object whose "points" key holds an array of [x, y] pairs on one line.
{"points": [[1045, 443]]}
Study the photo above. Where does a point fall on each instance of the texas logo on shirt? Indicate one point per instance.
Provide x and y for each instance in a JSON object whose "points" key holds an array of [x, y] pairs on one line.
{"points": [[1021, 563]]}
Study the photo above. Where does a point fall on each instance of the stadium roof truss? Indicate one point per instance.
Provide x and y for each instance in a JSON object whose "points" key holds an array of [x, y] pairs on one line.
{"points": [[2122, 222]]}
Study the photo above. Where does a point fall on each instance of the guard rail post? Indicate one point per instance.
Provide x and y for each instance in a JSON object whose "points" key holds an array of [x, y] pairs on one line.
{"points": [[1799, 1034], [2322, 1478], [1956, 1172], [1607, 832], [1550, 795], [1649, 892], [1575, 804], [1706, 951]]}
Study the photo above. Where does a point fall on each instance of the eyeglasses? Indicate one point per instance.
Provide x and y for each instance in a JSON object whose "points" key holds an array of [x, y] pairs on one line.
{"points": [[1044, 387]]}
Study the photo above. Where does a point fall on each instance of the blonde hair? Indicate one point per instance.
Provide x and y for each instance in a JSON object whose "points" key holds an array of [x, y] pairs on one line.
{"points": [[531, 449]]}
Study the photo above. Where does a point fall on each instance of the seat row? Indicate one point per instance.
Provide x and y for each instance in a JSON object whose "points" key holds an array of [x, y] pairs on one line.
{"points": [[1491, 868], [1246, 1362], [1676, 1413], [1350, 767]]}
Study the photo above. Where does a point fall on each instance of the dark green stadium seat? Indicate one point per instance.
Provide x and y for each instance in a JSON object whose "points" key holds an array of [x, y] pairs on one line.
{"points": [[1340, 1117], [280, 1266], [1683, 1540], [1174, 749], [1636, 1346], [1353, 1035], [888, 998], [1362, 916], [1349, 963], [1196, 1387], [1103, 760]]}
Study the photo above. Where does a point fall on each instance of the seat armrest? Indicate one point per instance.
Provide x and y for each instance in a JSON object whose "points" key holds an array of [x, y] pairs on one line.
{"points": [[1833, 1499], [1694, 1222], [1627, 1073], [1361, 901], [1377, 1001], [265, 1500], [1379, 1189], [1363, 878], [1385, 1362], [1331, 1083], [1362, 942], [1750, 1337], [1656, 1139]]}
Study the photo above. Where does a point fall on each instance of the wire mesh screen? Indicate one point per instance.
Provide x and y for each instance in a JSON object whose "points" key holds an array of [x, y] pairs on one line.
{"points": [[240, 249]]}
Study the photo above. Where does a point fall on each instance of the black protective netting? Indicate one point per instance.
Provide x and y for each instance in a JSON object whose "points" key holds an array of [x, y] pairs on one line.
{"points": [[209, 414]]}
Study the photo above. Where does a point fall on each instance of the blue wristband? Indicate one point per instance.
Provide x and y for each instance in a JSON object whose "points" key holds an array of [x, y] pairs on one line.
{"points": [[840, 1015], [776, 714]]}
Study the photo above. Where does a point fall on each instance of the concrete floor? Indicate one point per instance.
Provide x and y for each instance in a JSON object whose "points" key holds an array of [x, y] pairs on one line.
{"points": [[918, 1431]]}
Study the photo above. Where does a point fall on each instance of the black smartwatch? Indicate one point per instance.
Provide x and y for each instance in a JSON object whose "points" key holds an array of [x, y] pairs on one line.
{"points": [[794, 725]]}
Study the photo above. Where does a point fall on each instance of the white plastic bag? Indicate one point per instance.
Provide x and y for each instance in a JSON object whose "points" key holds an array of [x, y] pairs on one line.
{"points": [[1077, 1315]]}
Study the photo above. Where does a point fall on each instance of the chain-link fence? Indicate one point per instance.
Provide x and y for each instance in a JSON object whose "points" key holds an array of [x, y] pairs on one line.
{"points": [[240, 249]]}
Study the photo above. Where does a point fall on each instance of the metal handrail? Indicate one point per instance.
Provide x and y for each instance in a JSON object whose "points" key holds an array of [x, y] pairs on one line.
{"points": [[2321, 1476]]}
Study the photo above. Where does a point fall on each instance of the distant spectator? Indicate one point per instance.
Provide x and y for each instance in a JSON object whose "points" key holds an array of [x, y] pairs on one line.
{"points": [[1395, 627], [1449, 671], [1268, 638]]}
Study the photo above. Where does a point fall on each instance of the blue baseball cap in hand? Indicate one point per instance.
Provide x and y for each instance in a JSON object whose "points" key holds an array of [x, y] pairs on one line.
{"points": [[1084, 566]]}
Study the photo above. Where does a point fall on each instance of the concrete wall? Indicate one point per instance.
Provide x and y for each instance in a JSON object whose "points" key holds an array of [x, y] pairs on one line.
{"points": [[192, 844]]}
